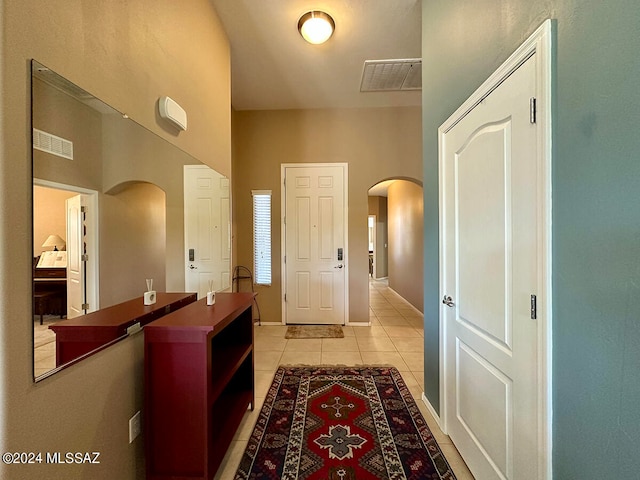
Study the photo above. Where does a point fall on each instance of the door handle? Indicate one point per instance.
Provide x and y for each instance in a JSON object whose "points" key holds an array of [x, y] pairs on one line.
{"points": [[448, 301], [192, 267], [339, 266]]}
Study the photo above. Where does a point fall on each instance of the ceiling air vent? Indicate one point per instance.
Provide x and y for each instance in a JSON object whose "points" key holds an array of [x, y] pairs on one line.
{"points": [[392, 75], [49, 143]]}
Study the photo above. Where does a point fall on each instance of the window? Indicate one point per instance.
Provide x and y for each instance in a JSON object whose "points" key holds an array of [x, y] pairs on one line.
{"points": [[262, 236]]}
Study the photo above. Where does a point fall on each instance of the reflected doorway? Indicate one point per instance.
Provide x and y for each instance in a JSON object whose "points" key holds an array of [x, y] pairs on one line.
{"points": [[207, 230], [53, 296], [377, 228], [371, 229]]}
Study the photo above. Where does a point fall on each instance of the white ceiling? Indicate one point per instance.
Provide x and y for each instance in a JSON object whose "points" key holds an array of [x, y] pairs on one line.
{"points": [[272, 67]]}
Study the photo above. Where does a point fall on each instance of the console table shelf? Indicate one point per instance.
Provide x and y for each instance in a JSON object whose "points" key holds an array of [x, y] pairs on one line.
{"points": [[199, 382], [228, 363], [78, 336]]}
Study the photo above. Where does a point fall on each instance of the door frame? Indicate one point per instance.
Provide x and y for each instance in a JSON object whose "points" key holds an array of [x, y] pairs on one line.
{"points": [[283, 237], [539, 43], [93, 238]]}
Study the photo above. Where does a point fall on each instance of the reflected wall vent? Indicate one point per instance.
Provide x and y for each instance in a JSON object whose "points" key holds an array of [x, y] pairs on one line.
{"points": [[49, 143], [391, 75]]}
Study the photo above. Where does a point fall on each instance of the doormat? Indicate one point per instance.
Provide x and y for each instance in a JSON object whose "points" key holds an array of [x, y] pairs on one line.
{"points": [[341, 423], [314, 331]]}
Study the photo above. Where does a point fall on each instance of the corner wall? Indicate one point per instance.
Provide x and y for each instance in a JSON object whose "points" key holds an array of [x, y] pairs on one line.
{"points": [[128, 54], [136, 221], [405, 221], [596, 240]]}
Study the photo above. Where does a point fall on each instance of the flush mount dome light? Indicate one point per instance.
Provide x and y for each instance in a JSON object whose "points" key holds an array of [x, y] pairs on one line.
{"points": [[316, 27]]}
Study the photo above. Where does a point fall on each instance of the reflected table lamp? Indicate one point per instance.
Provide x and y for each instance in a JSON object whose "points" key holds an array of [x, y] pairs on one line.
{"points": [[54, 241]]}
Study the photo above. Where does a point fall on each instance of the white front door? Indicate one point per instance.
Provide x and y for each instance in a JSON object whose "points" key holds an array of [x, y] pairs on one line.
{"points": [[315, 261], [490, 182], [76, 264], [207, 230]]}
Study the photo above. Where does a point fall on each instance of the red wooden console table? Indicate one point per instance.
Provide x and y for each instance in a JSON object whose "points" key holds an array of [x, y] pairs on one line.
{"points": [[199, 382], [80, 335]]}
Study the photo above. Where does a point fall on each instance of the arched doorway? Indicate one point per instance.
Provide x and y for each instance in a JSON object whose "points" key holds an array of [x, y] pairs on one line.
{"points": [[396, 236]]}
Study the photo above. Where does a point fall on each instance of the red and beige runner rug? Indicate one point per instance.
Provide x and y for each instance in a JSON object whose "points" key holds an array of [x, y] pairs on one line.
{"points": [[341, 423]]}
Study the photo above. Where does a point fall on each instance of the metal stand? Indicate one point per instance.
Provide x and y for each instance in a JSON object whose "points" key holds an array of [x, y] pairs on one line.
{"points": [[243, 273]]}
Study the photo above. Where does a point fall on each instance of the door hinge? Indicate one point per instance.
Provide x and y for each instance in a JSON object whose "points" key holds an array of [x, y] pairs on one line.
{"points": [[83, 209], [285, 259], [285, 297], [532, 109], [85, 306], [534, 307], [85, 257]]}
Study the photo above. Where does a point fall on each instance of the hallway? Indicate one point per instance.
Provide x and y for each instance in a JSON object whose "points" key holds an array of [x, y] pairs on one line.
{"points": [[395, 337]]}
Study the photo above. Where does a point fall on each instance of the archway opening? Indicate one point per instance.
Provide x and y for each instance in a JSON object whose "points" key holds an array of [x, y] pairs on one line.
{"points": [[395, 225]]}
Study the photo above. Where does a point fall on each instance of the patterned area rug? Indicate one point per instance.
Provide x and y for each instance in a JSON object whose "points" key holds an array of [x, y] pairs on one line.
{"points": [[341, 423], [314, 331]]}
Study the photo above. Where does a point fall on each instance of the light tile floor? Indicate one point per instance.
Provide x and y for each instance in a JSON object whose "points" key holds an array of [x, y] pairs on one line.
{"points": [[44, 345], [394, 338]]}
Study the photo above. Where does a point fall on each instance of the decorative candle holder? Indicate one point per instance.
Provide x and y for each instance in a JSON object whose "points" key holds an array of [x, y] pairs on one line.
{"points": [[211, 295], [150, 294]]}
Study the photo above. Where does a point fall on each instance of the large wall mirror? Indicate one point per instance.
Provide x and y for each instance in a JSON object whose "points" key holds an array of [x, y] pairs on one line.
{"points": [[114, 205]]}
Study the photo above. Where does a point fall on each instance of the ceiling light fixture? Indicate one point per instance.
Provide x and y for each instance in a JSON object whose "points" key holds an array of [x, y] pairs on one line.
{"points": [[316, 27]]}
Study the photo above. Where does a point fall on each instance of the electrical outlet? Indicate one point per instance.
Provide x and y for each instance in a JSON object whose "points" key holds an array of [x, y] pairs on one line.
{"points": [[135, 426]]}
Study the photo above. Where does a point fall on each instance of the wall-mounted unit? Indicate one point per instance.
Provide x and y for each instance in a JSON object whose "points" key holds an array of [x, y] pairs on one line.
{"points": [[171, 111]]}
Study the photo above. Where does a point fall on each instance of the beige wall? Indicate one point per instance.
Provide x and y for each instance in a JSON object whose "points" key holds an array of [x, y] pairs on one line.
{"points": [[376, 143], [133, 154], [378, 207], [57, 113], [132, 241], [49, 215], [128, 54], [109, 153], [405, 213]]}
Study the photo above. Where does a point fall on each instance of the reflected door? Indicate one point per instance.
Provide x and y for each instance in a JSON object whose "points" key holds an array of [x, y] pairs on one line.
{"points": [[315, 253], [207, 230], [76, 257], [491, 263]]}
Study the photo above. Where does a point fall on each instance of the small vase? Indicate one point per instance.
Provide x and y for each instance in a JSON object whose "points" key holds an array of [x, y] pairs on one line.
{"points": [[211, 298]]}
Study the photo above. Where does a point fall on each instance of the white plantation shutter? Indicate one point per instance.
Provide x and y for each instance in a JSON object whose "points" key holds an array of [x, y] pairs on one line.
{"points": [[262, 236]]}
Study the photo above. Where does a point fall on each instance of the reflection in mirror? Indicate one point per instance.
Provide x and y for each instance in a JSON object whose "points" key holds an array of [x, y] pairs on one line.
{"points": [[109, 212]]}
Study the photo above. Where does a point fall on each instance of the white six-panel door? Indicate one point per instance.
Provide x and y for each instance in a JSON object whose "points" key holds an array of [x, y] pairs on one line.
{"points": [[207, 230], [314, 234], [490, 182], [76, 265]]}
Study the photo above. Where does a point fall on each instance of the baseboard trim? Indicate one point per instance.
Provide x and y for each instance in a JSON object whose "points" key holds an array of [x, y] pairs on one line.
{"points": [[433, 413], [408, 303]]}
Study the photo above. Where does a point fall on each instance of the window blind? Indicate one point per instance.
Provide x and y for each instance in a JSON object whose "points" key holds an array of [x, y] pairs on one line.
{"points": [[262, 236]]}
